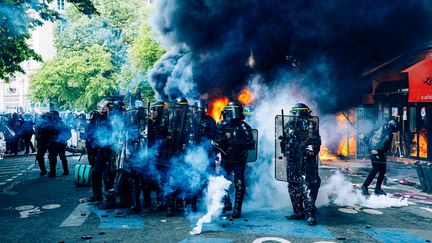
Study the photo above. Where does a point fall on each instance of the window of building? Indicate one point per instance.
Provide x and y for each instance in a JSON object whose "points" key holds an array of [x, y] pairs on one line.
{"points": [[60, 4]]}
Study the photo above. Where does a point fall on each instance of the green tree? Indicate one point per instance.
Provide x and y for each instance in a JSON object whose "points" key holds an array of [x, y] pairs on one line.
{"points": [[18, 17], [145, 50], [80, 80]]}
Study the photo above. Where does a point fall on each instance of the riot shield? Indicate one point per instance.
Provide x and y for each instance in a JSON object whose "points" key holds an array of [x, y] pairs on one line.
{"points": [[290, 125], [193, 126], [237, 145], [175, 118], [5, 129]]}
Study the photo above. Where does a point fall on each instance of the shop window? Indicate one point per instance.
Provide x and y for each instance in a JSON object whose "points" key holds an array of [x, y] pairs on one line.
{"points": [[418, 132]]}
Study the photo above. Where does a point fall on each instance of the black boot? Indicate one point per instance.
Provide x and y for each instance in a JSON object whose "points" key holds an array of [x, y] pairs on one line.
{"points": [[65, 168], [136, 204], [364, 190], [227, 203], [170, 204], [295, 192], [42, 168], [52, 172], [238, 201]]}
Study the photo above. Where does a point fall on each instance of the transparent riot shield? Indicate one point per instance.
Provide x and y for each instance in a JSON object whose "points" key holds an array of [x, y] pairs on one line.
{"points": [[175, 118], [292, 126], [5, 129], [238, 145]]}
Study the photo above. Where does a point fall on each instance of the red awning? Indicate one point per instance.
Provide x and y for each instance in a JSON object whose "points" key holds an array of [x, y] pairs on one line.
{"points": [[420, 81]]}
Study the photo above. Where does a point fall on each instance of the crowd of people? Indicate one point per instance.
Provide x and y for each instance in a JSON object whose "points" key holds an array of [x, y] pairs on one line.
{"points": [[172, 148]]}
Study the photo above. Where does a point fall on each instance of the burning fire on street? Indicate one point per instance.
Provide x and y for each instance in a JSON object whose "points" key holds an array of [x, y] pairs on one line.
{"points": [[421, 141], [345, 147]]}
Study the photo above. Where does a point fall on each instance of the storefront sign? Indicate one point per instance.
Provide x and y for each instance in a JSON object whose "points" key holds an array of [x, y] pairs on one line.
{"points": [[420, 81]]}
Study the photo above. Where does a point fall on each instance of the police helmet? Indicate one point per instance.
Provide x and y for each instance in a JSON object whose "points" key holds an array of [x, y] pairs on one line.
{"points": [[233, 110], [248, 111], [300, 109], [392, 125], [158, 105], [55, 115], [200, 106], [181, 101]]}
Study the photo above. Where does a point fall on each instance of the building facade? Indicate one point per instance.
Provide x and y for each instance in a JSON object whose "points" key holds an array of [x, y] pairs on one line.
{"points": [[14, 95]]}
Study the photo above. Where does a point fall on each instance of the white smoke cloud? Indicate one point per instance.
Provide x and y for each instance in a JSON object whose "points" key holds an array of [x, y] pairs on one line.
{"points": [[340, 191], [215, 192], [261, 186]]}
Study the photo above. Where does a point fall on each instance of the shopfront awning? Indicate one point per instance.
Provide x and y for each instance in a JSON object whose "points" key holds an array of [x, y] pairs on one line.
{"points": [[420, 81]]}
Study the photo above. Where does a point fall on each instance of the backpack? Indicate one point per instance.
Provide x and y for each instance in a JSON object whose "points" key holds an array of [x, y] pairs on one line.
{"points": [[375, 139]]}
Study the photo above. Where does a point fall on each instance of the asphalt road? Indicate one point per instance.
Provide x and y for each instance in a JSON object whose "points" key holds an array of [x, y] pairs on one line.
{"points": [[34, 209]]}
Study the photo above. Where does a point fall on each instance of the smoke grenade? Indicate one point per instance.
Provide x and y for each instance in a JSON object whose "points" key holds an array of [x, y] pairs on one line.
{"points": [[215, 192]]}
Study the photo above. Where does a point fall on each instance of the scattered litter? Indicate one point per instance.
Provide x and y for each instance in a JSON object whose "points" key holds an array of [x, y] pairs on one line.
{"points": [[223, 226], [341, 238], [348, 210], [230, 218], [83, 214], [101, 233], [372, 211], [24, 207], [406, 183], [82, 200], [104, 215], [428, 241], [163, 220], [51, 206], [368, 227], [61, 241], [86, 237], [224, 217]]}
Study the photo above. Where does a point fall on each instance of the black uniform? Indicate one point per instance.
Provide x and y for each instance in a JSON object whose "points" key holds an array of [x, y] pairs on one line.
{"points": [[60, 133], [202, 130], [301, 147], [234, 137], [379, 140], [102, 135], [43, 137], [27, 135], [301, 144]]}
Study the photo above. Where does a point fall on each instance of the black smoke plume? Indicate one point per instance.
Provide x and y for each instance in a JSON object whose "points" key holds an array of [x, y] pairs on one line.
{"points": [[327, 43]]}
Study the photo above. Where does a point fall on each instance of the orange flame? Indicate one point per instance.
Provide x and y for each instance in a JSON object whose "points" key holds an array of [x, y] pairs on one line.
{"points": [[216, 107], [345, 148], [422, 144], [325, 154], [246, 96]]}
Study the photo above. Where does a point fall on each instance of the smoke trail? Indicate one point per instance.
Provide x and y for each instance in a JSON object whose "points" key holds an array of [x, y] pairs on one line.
{"points": [[340, 191], [331, 42], [215, 192]]}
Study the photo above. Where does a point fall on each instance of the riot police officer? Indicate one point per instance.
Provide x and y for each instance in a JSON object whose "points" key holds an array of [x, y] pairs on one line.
{"points": [[103, 144], [42, 134], [379, 141], [301, 144], [60, 133], [234, 138], [202, 131], [176, 142]]}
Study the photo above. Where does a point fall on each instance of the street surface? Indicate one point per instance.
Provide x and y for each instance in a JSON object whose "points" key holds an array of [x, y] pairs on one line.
{"points": [[34, 209]]}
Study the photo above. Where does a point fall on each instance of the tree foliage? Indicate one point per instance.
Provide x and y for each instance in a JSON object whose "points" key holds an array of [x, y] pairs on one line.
{"points": [[17, 19], [122, 29], [77, 81]]}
